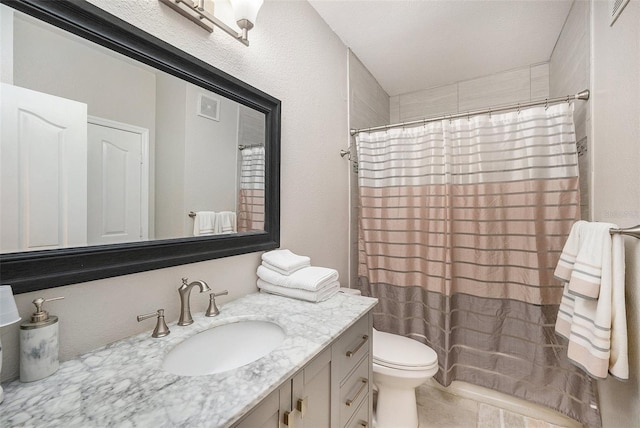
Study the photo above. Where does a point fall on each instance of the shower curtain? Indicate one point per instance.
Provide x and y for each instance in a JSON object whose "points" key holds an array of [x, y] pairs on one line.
{"points": [[251, 194], [462, 223]]}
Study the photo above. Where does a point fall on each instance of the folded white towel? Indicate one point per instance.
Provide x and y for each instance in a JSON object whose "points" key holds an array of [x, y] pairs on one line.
{"points": [[592, 313], [204, 223], [226, 222], [295, 293], [310, 278], [284, 261]]}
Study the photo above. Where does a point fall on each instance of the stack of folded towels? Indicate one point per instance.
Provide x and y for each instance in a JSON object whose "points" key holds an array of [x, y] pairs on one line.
{"points": [[287, 274]]}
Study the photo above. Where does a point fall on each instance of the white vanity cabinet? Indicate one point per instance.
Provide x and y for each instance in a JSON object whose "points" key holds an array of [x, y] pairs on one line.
{"points": [[332, 391]]}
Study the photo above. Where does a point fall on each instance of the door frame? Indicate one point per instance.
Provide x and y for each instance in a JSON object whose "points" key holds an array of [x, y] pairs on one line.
{"points": [[144, 152]]}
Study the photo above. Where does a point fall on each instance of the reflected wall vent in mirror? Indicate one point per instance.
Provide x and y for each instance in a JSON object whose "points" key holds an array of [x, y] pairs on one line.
{"points": [[201, 12], [208, 107]]}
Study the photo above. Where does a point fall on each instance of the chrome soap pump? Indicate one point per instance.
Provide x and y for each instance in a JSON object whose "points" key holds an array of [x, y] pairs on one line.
{"points": [[39, 344]]}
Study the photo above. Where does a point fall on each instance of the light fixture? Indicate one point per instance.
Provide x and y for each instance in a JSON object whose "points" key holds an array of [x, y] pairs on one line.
{"points": [[8, 315], [245, 12]]}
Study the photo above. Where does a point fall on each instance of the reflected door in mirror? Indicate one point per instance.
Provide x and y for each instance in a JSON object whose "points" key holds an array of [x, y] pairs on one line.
{"points": [[117, 184], [44, 200]]}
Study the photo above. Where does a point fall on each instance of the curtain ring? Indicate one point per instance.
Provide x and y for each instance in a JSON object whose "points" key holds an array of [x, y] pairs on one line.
{"points": [[518, 108], [546, 103]]}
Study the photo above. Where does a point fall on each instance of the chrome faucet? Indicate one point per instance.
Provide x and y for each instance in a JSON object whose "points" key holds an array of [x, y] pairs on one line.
{"points": [[185, 291]]}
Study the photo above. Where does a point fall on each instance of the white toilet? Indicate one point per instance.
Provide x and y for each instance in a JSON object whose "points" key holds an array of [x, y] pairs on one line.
{"points": [[400, 365]]}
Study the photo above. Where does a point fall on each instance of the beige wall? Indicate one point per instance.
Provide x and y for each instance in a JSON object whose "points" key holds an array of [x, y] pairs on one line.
{"points": [[169, 156], [211, 151], [295, 57], [615, 85]]}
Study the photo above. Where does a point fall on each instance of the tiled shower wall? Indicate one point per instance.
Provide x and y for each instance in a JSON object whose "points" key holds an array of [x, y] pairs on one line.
{"points": [[368, 106], [568, 74], [508, 87]]}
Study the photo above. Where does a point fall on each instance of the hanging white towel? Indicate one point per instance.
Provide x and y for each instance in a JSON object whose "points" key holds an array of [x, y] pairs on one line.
{"points": [[592, 313], [295, 293], [310, 278], [226, 222], [204, 223], [284, 261], [569, 252]]}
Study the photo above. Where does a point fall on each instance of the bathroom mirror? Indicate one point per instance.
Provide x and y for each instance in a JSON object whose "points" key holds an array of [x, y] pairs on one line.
{"points": [[112, 140]]}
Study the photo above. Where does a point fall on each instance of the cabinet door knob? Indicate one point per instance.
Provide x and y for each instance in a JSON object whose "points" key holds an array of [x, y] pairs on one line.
{"points": [[301, 406], [352, 352], [363, 386], [289, 419]]}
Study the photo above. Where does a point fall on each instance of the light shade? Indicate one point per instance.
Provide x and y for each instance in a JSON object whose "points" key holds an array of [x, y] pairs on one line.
{"points": [[8, 310], [246, 9]]}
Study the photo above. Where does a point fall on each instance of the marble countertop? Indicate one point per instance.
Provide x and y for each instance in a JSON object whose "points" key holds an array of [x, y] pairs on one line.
{"points": [[123, 385]]}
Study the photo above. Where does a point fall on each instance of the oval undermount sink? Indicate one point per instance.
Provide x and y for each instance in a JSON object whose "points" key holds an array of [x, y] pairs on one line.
{"points": [[223, 348]]}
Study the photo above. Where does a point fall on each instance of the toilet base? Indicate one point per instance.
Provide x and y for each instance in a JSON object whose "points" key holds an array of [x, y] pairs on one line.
{"points": [[396, 408]]}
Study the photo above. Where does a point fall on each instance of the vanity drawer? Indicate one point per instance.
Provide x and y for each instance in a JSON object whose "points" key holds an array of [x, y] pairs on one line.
{"points": [[354, 391], [352, 346], [361, 417]]}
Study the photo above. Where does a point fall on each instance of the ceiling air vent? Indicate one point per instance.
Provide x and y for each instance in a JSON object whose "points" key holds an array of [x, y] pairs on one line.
{"points": [[615, 9]]}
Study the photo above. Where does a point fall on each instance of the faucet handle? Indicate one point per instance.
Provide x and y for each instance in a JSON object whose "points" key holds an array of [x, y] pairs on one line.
{"points": [[213, 310], [185, 281], [161, 329]]}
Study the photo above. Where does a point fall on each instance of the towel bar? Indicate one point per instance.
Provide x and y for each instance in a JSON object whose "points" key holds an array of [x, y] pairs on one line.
{"points": [[629, 231], [192, 214]]}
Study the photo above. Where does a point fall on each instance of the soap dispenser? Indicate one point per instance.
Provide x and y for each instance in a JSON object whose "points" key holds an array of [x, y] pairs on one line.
{"points": [[39, 344]]}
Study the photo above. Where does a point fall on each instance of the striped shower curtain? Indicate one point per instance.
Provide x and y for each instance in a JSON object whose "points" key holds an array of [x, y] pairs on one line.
{"points": [[462, 223], [251, 195]]}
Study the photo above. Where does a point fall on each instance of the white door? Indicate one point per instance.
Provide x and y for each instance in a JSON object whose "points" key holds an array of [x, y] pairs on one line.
{"points": [[117, 184], [43, 158]]}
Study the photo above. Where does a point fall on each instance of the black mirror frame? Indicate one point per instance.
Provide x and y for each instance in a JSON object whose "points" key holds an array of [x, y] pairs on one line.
{"points": [[38, 270]]}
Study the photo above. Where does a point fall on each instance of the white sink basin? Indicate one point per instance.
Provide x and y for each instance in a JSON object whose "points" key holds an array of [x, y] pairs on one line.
{"points": [[223, 348]]}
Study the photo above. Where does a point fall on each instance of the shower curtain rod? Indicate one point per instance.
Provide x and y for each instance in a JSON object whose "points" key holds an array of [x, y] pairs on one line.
{"points": [[582, 95]]}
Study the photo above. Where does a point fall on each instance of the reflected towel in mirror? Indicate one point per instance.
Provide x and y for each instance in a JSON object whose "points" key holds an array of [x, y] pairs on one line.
{"points": [[204, 223], [226, 222]]}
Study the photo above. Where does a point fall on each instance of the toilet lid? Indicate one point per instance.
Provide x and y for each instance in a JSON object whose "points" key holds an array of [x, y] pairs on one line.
{"points": [[396, 351]]}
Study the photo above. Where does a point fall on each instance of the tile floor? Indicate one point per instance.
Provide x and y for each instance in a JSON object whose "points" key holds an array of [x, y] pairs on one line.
{"points": [[439, 409]]}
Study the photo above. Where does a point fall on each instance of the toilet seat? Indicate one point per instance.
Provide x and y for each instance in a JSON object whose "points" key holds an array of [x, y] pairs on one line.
{"points": [[399, 352]]}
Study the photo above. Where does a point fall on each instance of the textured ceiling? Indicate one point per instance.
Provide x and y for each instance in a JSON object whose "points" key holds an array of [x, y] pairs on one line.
{"points": [[413, 45]]}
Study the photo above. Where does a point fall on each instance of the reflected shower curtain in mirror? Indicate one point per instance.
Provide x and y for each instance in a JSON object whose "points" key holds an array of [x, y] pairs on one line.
{"points": [[462, 223], [251, 195]]}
